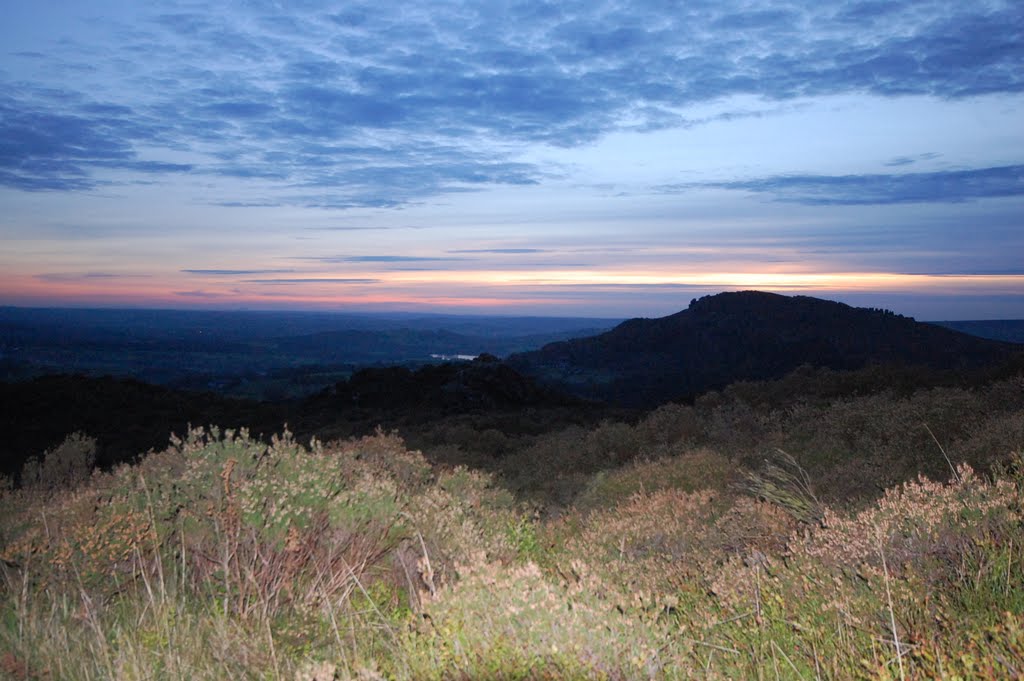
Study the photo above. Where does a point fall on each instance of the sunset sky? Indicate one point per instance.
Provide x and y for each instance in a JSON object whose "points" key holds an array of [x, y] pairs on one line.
{"points": [[568, 158]]}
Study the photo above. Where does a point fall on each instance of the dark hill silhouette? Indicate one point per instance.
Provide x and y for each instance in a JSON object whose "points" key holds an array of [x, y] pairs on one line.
{"points": [[485, 383], [129, 417], [747, 335]]}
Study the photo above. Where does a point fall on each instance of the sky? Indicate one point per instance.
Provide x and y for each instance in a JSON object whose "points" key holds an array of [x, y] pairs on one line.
{"points": [[599, 158]]}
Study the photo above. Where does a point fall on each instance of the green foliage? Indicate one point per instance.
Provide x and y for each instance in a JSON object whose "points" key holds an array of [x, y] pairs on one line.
{"points": [[522, 535]]}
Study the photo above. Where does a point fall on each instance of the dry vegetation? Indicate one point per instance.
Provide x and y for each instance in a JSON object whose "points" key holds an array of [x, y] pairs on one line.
{"points": [[877, 536]]}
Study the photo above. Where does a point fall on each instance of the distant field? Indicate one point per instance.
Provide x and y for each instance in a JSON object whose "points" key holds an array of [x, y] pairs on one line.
{"points": [[262, 355]]}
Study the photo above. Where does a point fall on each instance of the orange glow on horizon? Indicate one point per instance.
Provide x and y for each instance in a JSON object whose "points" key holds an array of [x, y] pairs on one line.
{"points": [[472, 289], [850, 281]]}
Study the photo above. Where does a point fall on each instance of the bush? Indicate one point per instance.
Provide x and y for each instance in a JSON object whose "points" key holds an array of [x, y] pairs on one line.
{"points": [[688, 471], [519, 623], [67, 465], [668, 427]]}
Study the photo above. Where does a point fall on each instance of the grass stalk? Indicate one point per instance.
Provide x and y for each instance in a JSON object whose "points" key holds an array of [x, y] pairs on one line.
{"points": [[786, 658], [713, 646], [892, 614], [273, 650], [956, 473]]}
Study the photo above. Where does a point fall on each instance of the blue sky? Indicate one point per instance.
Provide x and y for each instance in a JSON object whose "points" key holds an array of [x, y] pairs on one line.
{"points": [[592, 158]]}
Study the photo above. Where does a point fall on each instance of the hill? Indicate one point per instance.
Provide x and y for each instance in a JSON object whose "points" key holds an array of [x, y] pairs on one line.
{"points": [[747, 335]]}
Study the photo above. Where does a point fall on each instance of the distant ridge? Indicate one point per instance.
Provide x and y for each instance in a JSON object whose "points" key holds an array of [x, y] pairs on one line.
{"points": [[748, 335], [1011, 330]]}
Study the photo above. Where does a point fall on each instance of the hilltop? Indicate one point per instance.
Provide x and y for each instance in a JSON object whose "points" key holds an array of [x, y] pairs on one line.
{"points": [[748, 335]]}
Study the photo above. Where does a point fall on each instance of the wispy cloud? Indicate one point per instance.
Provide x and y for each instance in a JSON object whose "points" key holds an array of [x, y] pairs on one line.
{"points": [[951, 186], [500, 251], [314, 280], [909, 160], [248, 204], [203, 294], [354, 229], [229, 273], [392, 107], [379, 259], [974, 272], [75, 276], [57, 141]]}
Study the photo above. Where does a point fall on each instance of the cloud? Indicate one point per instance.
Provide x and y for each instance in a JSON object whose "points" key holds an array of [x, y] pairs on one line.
{"points": [[501, 251], [235, 272], [951, 186], [346, 228], [199, 294], [380, 259], [909, 160], [975, 272], [248, 204], [369, 107], [325, 280], [43, 149], [74, 276], [613, 286]]}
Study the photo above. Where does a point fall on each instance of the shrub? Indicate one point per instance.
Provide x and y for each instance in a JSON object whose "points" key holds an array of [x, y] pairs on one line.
{"points": [[291, 545], [669, 426], [916, 524], [689, 471], [519, 623], [263, 527], [65, 466], [751, 527], [649, 546], [996, 439]]}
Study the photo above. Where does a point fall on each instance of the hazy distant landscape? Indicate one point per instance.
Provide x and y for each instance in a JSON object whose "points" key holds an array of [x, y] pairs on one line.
{"points": [[259, 355], [1010, 330], [131, 377], [278, 355]]}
